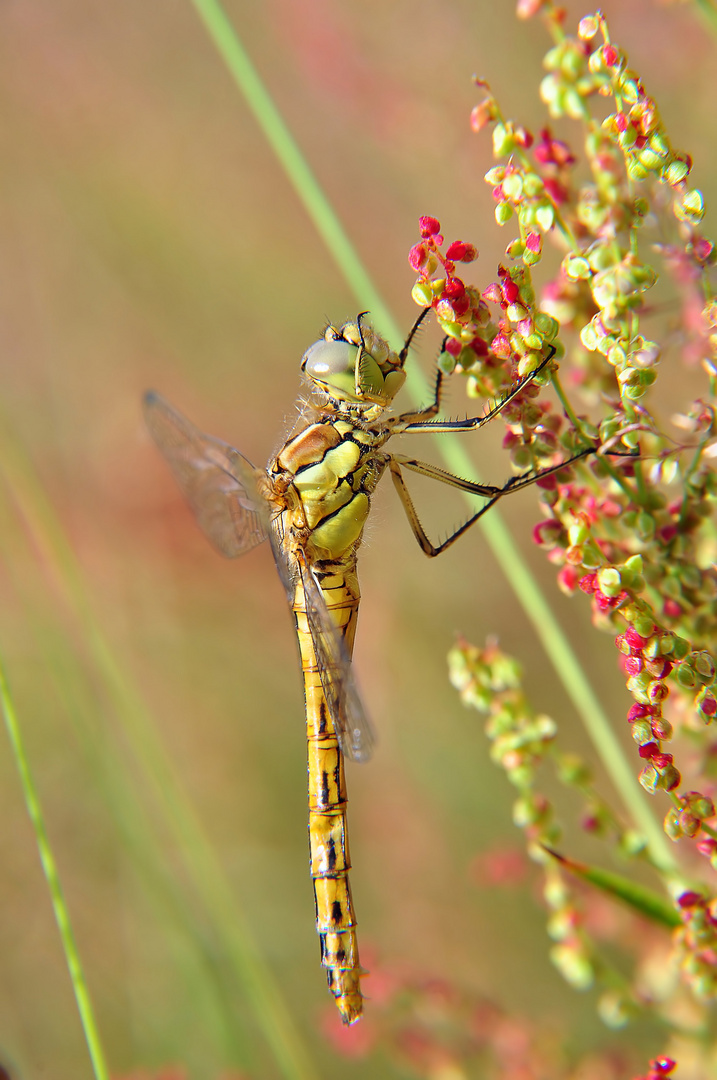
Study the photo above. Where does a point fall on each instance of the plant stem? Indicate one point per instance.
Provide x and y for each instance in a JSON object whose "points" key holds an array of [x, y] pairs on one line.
{"points": [[262, 991], [49, 867]]}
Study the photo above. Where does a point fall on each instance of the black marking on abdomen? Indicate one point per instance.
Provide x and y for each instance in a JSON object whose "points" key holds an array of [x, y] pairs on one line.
{"points": [[336, 912], [323, 724], [324, 789], [332, 854]]}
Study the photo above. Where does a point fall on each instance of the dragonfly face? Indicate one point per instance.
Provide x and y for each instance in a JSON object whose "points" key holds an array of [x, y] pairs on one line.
{"points": [[353, 363], [312, 502]]}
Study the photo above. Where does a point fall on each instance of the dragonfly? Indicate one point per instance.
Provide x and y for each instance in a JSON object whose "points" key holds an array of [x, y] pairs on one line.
{"points": [[312, 502]]}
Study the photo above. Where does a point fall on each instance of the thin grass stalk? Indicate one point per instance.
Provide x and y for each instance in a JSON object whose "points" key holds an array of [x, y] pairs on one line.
{"points": [[135, 825], [58, 560], [535, 605], [49, 867]]}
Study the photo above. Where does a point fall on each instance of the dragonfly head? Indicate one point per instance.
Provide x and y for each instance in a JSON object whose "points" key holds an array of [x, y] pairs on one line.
{"points": [[353, 363]]}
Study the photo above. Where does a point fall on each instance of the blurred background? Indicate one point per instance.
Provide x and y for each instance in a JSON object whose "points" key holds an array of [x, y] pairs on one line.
{"points": [[148, 238]]}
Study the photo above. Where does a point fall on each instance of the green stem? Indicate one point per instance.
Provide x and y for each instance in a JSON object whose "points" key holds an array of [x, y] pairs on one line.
{"points": [[708, 10], [640, 482], [291, 159], [536, 607], [574, 420], [262, 991], [685, 482], [49, 866]]}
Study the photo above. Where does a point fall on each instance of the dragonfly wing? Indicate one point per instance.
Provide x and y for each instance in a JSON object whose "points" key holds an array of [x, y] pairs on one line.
{"points": [[336, 670], [220, 485]]}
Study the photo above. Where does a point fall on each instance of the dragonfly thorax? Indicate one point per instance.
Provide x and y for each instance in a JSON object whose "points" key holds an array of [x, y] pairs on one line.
{"points": [[353, 363]]}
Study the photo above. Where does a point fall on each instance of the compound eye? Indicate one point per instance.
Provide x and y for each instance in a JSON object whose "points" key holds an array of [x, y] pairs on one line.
{"points": [[326, 359]]}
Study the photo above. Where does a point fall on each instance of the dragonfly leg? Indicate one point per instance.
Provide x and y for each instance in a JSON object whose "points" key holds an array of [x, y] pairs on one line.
{"points": [[421, 421], [489, 491], [411, 334]]}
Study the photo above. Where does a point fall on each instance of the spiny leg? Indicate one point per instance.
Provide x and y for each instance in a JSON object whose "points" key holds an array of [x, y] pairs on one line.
{"points": [[421, 421], [411, 334], [489, 491]]}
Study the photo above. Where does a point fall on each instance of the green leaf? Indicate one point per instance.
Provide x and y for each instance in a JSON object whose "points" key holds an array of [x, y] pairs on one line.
{"points": [[640, 899]]}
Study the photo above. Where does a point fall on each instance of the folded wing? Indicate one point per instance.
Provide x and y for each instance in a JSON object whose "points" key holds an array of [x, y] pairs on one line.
{"points": [[336, 671], [218, 482]]}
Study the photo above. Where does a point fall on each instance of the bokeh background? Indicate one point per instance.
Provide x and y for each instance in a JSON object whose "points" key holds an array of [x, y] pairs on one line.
{"points": [[148, 238]]}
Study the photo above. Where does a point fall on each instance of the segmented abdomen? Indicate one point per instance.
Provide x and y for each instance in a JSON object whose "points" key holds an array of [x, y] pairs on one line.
{"points": [[328, 830]]}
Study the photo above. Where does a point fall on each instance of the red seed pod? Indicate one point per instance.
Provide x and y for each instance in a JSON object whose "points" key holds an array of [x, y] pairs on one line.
{"points": [[588, 584], [634, 639], [702, 248], [500, 347], [639, 710], [689, 824], [454, 288], [658, 692], [547, 533], [461, 305], [459, 251], [493, 293], [610, 55], [690, 899], [708, 706], [663, 1065], [511, 292], [429, 226], [670, 778], [417, 256], [568, 579], [661, 728]]}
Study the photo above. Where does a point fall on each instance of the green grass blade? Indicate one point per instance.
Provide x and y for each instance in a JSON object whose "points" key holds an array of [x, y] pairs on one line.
{"points": [[529, 594], [58, 559], [49, 866], [293, 162]]}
